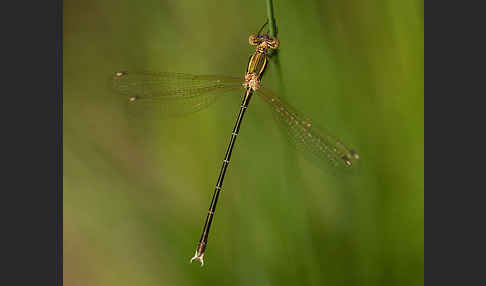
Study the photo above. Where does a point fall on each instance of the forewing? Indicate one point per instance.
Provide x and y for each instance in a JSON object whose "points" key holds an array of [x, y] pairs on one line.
{"points": [[171, 94]]}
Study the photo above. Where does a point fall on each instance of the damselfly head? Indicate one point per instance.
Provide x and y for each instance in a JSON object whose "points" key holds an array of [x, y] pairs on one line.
{"points": [[263, 41], [256, 39]]}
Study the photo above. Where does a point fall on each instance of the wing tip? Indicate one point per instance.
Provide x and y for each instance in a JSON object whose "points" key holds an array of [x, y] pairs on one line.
{"points": [[120, 74]]}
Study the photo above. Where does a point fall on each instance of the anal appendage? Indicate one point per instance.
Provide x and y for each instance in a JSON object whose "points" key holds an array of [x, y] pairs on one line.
{"points": [[199, 256]]}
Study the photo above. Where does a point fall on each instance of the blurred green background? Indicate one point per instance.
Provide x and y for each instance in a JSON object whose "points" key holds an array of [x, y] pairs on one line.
{"points": [[136, 192]]}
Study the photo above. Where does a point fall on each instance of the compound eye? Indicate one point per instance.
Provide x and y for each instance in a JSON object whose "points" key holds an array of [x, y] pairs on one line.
{"points": [[274, 43], [253, 40]]}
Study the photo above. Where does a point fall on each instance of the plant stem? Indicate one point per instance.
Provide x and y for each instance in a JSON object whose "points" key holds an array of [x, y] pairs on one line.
{"points": [[271, 19], [273, 33], [272, 23]]}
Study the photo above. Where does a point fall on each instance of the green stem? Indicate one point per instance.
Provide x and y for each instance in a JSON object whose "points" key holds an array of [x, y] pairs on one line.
{"points": [[273, 33], [271, 19]]}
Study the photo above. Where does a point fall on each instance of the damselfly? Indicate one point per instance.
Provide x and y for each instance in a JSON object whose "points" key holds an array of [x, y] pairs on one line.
{"points": [[178, 93]]}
